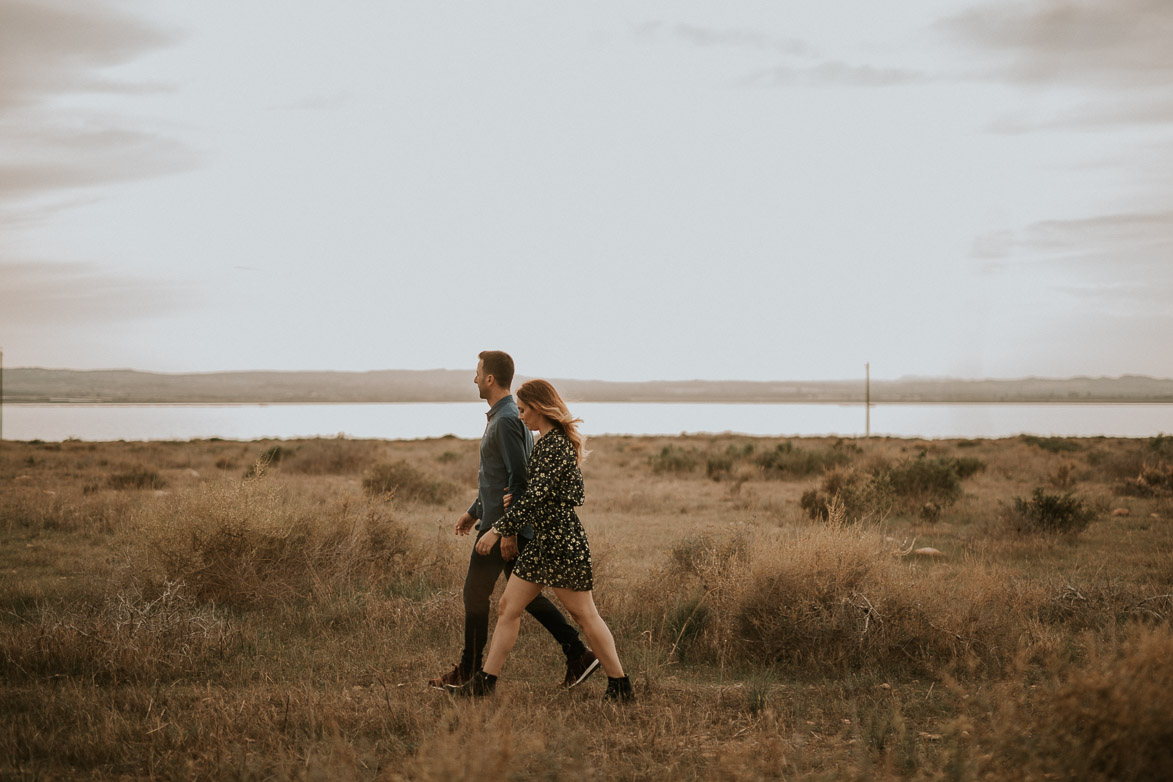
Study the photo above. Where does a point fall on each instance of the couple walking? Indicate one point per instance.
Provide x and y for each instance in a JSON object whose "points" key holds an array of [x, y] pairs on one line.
{"points": [[527, 528]]}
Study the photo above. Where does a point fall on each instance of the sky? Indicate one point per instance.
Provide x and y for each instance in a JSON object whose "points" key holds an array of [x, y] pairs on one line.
{"points": [[618, 190]]}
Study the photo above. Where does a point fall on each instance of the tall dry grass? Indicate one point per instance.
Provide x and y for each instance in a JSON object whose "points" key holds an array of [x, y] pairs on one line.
{"points": [[282, 627]]}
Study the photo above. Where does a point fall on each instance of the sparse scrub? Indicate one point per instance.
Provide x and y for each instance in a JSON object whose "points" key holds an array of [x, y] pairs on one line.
{"points": [[1153, 481], [924, 486], [291, 640], [405, 482], [338, 456], [136, 477], [790, 461], [1051, 444], [1051, 513]]}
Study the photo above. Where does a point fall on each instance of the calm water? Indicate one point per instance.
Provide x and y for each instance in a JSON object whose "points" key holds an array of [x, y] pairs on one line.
{"points": [[412, 421]]}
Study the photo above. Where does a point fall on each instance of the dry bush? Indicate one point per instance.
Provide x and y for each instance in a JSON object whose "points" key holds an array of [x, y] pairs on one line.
{"points": [[1119, 462], [405, 482], [338, 456], [1109, 719], [136, 477], [921, 485], [836, 598], [1154, 480], [249, 543], [125, 638]]}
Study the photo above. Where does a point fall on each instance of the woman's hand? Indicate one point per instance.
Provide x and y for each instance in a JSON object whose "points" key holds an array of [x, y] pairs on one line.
{"points": [[487, 541], [508, 499]]}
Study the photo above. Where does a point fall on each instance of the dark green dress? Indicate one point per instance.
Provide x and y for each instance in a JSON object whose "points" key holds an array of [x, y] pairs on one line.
{"points": [[559, 555]]}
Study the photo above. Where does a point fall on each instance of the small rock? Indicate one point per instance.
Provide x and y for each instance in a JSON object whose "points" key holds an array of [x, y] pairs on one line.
{"points": [[192, 473], [1120, 512], [930, 736], [1156, 516], [24, 478], [928, 551], [885, 686], [161, 493]]}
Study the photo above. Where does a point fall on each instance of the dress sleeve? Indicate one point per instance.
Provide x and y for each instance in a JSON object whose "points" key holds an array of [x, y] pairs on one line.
{"points": [[550, 468]]}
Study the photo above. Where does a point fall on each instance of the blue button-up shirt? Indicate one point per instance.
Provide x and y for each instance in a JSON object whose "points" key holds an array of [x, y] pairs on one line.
{"points": [[505, 447]]}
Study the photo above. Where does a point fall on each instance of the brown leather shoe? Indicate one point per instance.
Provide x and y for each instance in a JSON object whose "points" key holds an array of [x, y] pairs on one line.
{"points": [[580, 669], [454, 678]]}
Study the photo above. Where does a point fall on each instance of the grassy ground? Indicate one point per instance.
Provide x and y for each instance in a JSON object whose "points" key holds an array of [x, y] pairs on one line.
{"points": [[272, 610]]}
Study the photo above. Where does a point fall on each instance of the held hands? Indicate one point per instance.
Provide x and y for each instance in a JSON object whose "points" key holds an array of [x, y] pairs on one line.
{"points": [[508, 499], [509, 548]]}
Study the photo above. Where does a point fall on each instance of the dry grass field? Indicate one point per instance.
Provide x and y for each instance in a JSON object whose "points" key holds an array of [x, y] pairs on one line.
{"points": [[272, 610]]}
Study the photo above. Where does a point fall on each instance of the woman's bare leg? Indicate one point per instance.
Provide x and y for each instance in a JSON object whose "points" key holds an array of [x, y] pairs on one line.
{"points": [[581, 606], [518, 594]]}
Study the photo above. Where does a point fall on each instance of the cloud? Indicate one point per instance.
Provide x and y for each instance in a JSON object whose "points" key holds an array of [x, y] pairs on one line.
{"points": [[320, 102], [1146, 109], [833, 73], [823, 72], [52, 47], [64, 159], [1113, 259], [729, 37], [72, 295], [1101, 43], [49, 49]]}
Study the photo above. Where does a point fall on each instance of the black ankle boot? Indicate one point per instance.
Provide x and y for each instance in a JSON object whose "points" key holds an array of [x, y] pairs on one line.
{"points": [[619, 689], [480, 685]]}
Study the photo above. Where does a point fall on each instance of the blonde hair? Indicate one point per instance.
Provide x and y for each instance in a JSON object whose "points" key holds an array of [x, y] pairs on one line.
{"points": [[542, 396]]}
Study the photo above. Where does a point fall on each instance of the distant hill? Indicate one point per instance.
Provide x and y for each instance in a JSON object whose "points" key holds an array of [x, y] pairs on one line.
{"points": [[445, 385]]}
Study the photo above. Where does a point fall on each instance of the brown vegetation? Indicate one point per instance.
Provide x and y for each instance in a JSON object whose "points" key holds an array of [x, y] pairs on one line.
{"points": [[164, 616]]}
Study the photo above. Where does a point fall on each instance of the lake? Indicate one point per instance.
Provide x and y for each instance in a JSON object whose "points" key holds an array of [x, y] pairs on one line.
{"points": [[100, 422]]}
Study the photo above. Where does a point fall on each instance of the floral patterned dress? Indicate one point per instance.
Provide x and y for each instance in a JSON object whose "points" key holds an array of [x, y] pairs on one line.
{"points": [[559, 555]]}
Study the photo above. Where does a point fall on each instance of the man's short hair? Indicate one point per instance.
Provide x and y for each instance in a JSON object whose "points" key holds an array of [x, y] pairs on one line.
{"points": [[499, 364]]}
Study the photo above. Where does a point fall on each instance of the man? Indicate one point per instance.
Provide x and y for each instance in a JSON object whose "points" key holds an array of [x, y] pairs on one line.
{"points": [[505, 447]]}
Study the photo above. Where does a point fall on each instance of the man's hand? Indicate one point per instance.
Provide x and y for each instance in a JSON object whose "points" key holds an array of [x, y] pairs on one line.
{"points": [[509, 548], [508, 501], [464, 523], [486, 543]]}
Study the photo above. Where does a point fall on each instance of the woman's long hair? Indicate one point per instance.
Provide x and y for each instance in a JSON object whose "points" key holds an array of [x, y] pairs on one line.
{"points": [[542, 396]]}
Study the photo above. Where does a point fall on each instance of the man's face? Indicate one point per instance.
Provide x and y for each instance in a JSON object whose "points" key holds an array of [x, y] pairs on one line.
{"points": [[481, 381]]}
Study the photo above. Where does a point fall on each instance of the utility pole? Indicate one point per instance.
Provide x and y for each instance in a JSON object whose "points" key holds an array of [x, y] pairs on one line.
{"points": [[867, 400]]}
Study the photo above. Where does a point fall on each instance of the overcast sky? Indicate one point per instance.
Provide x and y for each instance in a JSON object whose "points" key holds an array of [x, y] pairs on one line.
{"points": [[618, 190]]}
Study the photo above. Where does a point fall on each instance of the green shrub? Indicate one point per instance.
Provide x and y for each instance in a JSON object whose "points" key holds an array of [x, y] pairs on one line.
{"points": [[717, 467], [790, 461], [1052, 513], [918, 481], [405, 482], [674, 459]]}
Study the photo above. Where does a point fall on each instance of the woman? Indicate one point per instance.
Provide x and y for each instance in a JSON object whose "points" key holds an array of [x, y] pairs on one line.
{"points": [[558, 556]]}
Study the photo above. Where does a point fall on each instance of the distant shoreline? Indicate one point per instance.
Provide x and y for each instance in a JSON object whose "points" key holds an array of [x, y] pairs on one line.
{"points": [[65, 386]]}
